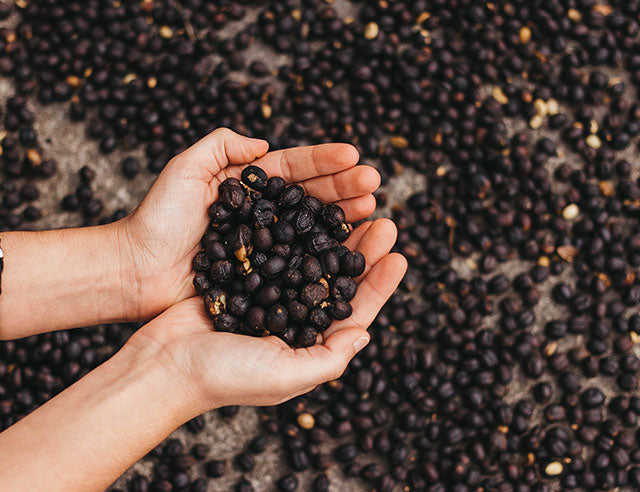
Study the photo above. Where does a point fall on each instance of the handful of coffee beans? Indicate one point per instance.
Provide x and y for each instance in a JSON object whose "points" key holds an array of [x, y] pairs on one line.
{"points": [[272, 262]]}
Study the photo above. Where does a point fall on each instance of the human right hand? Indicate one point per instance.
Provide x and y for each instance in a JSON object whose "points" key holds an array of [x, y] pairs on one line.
{"points": [[215, 369]]}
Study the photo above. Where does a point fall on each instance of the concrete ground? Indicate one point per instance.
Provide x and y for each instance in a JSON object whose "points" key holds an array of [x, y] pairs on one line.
{"points": [[65, 141]]}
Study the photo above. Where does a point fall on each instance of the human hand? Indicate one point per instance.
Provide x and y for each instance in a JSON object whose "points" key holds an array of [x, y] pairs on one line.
{"points": [[163, 234], [214, 369]]}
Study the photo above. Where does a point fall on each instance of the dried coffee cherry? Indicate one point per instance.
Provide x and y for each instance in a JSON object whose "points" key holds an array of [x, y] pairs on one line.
{"points": [[343, 289], [225, 322], [277, 318], [352, 264], [221, 272], [275, 186], [291, 196], [313, 294], [254, 178]]}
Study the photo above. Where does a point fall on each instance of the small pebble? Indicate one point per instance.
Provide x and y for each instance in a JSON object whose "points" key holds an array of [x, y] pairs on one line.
{"points": [[570, 212], [553, 469]]}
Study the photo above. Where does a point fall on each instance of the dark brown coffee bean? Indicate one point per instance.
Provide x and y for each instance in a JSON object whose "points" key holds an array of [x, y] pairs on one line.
{"points": [[275, 186], [277, 318], [264, 213], [330, 263], [352, 264], [289, 335], [267, 295], [238, 305], [201, 283], [254, 178], [221, 272], [311, 268], [201, 262], [293, 278], [231, 193], [313, 294], [262, 239], [283, 232], [341, 233], [343, 289], [252, 282], [220, 213], [283, 251], [225, 322], [319, 318], [340, 310], [274, 266], [312, 204], [256, 318], [297, 311], [291, 196], [213, 247], [306, 336], [317, 242], [303, 221]]}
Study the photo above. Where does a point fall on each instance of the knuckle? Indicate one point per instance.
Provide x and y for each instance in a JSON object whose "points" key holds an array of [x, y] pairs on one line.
{"points": [[338, 370], [174, 161], [223, 132], [356, 153], [386, 222]]}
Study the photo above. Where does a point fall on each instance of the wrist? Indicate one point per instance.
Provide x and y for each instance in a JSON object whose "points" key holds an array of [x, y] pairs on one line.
{"points": [[124, 278], [60, 279], [164, 388], [98, 427], [163, 376]]}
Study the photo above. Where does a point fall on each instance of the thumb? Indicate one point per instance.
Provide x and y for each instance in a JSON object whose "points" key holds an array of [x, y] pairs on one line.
{"points": [[209, 155]]}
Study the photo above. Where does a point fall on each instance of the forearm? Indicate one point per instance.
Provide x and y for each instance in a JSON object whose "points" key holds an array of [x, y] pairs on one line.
{"points": [[62, 279], [91, 433]]}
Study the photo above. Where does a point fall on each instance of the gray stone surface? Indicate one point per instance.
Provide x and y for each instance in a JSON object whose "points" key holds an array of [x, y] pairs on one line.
{"points": [[66, 141]]}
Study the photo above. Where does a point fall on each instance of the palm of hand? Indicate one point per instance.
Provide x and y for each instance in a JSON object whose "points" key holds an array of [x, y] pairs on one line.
{"points": [[231, 369]]}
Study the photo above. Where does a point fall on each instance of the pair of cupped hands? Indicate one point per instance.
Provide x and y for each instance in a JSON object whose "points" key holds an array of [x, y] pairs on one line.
{"points": [[163, 234]]}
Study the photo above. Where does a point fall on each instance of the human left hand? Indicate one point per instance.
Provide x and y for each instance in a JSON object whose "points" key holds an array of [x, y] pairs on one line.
{"points": [[216, 369]]}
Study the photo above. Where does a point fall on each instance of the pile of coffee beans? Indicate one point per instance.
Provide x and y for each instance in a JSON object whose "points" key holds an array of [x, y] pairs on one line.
{"points": [[24, 166], [272, 262], [507, 360]]}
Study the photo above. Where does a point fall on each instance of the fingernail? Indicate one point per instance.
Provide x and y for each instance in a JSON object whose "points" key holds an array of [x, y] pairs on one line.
{"points": [[360, 343]]}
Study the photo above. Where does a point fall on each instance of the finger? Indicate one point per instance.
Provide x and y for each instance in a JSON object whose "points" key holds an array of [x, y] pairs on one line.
{"points": [[208, 156], [374, 290], [302, 163], [356, 235], [351, 183], [377, 243], [358, 203], [356, 209]]}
